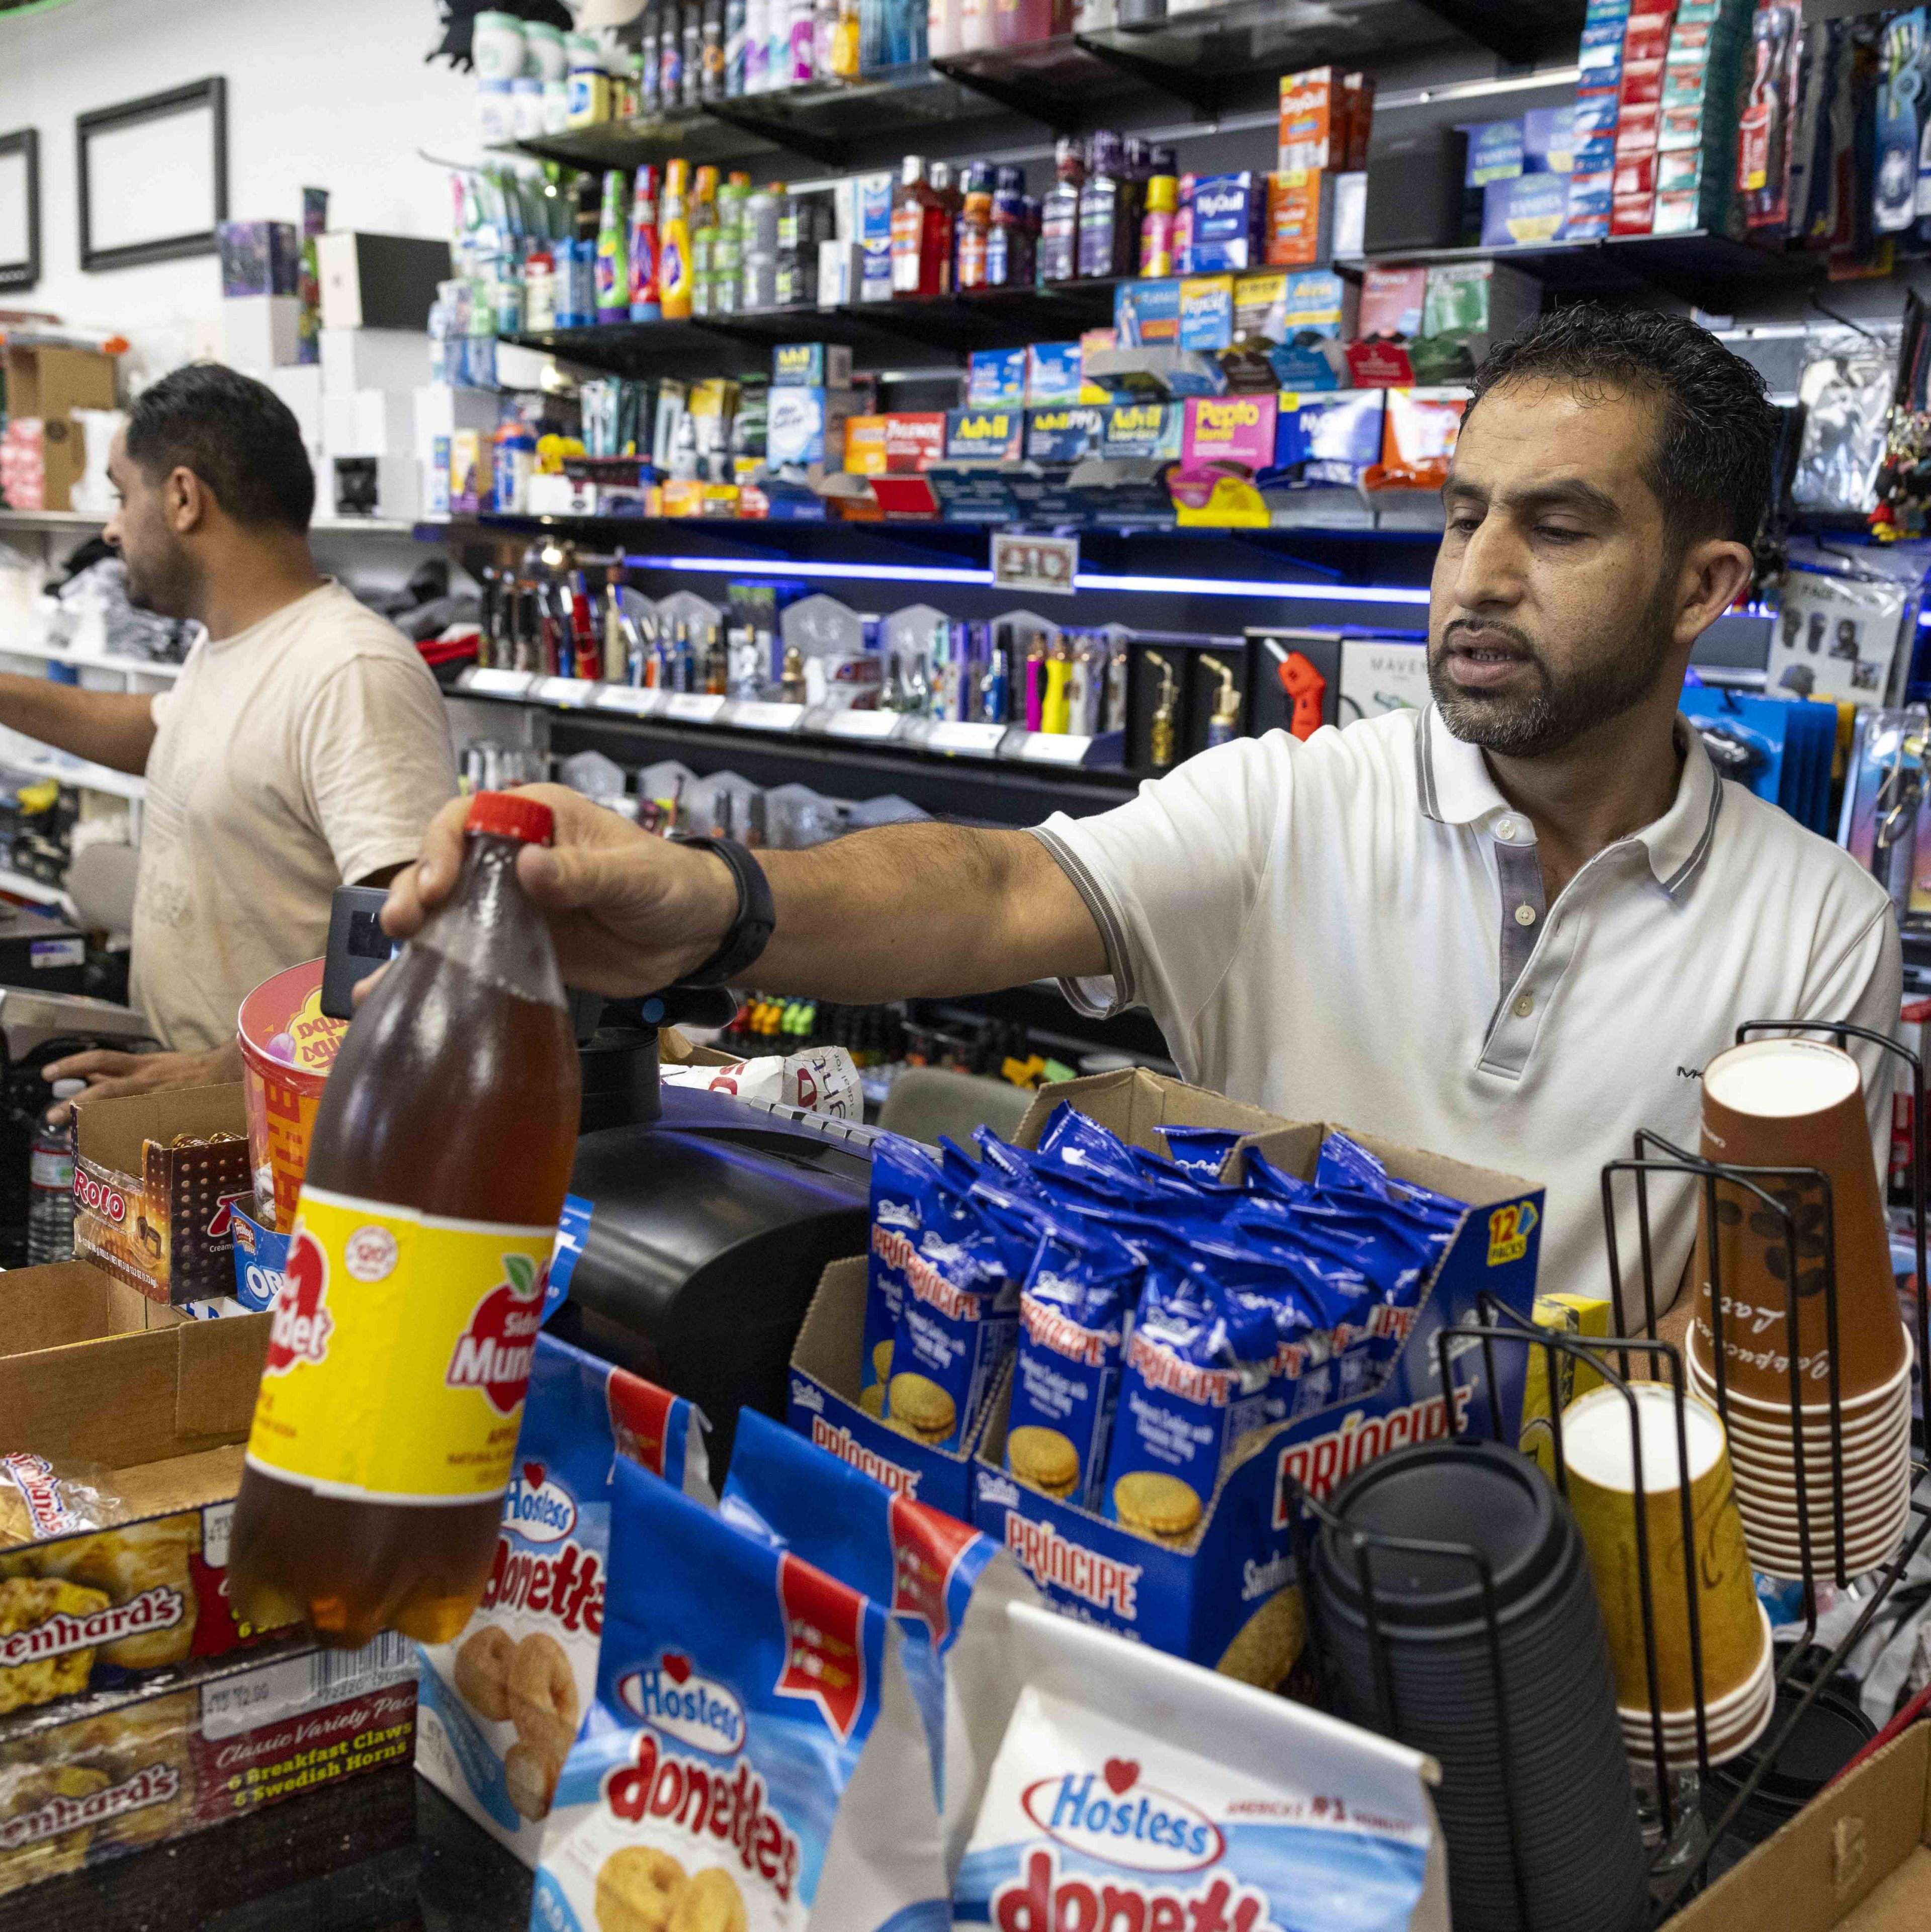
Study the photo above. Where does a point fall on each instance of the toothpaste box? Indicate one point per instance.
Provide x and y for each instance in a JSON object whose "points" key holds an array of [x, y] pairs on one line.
{"points": [[1224, 1595], [1068, 432], [1145, 313], [1236, 430], [811, 365], [1052, 373], [1229, 217], [1206, 312], [808, 427], [983, 435], [1148, 431], [996, 377]]}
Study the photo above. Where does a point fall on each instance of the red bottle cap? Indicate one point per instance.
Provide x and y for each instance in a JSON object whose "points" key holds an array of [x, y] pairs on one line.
{"points": [[510, 816]]}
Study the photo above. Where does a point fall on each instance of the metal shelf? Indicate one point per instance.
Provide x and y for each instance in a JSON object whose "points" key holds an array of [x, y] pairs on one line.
{"points": [[834, 122], [15, 647]]}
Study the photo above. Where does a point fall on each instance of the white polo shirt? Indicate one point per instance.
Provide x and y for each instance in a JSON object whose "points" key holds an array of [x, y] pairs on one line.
{"points": [[1353, 929]]}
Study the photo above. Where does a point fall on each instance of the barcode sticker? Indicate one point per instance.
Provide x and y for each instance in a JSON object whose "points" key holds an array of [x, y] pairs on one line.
{"points": [[281, 1691]]}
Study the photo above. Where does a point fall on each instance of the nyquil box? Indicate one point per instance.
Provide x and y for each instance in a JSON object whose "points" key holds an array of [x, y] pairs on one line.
{"points": [[1224, 1596]]}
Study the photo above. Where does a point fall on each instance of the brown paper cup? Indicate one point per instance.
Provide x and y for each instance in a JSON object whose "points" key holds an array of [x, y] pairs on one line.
{"points": [[1596, 1443], [1793, 1102]]}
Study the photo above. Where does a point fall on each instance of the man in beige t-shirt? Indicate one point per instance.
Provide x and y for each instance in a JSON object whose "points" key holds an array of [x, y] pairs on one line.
{"points": [[305, 746]]}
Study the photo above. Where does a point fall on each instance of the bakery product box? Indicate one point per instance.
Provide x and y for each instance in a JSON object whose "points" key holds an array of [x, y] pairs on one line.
{"points": [[1222, 1593], [134, 1707], [157, 1177]]}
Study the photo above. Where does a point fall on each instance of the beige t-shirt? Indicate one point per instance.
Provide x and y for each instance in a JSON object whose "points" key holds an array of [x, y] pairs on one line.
{"points": [[300, 754]]}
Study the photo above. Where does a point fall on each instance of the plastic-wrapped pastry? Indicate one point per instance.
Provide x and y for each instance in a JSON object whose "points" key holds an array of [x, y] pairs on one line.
{"points": [[39, 1498]]}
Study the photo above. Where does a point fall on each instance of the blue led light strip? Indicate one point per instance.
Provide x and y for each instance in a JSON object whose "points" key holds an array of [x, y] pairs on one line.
{"points": [[910, 573]]}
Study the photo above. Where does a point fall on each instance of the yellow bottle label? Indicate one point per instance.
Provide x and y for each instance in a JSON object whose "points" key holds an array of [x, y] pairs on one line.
{"points": [[399, 1350]]}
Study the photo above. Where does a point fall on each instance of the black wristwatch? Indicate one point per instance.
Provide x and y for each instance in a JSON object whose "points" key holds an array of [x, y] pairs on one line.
{"points": [[750, 931]]}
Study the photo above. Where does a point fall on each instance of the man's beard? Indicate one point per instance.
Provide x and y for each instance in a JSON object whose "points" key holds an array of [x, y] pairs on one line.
{"points": [[1554, 711], [163, 588]]}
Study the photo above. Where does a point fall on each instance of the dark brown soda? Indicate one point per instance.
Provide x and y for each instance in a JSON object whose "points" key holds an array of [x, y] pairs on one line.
{"points": [[455, 1095]]}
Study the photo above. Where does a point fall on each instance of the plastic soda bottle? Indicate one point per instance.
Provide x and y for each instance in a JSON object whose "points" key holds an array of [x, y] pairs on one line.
{"points": [[400, 1344]]}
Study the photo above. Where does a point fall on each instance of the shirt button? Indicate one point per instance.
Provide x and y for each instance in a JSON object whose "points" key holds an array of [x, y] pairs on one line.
{"points": [[1525, 915], [1524, 1006], [1505, 828]]}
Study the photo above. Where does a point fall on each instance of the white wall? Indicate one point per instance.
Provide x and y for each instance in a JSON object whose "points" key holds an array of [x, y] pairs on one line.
{"points": [[331, 93]]}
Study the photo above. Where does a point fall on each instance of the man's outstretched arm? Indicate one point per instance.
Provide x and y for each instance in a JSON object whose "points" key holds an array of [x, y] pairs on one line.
{"points": [[892, 913]]}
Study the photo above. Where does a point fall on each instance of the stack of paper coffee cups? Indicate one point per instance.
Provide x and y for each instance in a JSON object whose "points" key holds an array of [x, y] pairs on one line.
{"points": [[1600, 1432], [1799, 1103]]}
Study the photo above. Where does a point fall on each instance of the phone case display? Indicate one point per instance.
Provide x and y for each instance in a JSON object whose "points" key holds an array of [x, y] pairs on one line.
{"points": [[1836, 635], [1846, 390], [1781, 751], [1883, 801]]}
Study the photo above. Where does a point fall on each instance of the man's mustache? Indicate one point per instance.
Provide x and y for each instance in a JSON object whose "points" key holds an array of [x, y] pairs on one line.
{"points": [[1491, 627]]}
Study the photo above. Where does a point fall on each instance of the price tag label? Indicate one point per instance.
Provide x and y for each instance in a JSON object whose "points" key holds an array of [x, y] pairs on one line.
{"points": [[876, 725], [495, 683], [751, 715], [573, 694], [1029, 564], [633, 698], [1053, 748], [694, 707], [972, 741]]}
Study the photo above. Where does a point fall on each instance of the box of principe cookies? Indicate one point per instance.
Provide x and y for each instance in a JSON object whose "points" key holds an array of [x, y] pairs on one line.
{"points": [[1218, 1587], [134, 1707]]}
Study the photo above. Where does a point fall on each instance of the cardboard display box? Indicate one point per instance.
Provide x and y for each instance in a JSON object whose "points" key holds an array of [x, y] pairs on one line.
{"points": [[1857, 1857], [161, 1216], [46, 385], [1224, 1595], [134, 1707]]}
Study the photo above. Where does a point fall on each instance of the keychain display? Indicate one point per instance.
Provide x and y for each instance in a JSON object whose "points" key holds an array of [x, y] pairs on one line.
{"points": [[1836, 635]]}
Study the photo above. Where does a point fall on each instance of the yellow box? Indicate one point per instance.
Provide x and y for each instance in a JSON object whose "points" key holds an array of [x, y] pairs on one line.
{"points": [[1580, 1315]]}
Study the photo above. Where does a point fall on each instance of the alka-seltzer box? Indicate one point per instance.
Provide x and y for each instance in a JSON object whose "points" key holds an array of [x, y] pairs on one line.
{"points": [[996, 379], [822, 1402], [810, 365], [160, 1215], [986, 436], [806, 427], [1217, 1597]]}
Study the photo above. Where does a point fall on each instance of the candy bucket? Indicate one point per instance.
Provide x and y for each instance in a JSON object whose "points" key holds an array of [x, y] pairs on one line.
{"points": [[288, 1045]]}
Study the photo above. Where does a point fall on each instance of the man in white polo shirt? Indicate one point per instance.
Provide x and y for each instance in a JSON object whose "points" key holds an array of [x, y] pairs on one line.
{"points": [[1512, 927]]}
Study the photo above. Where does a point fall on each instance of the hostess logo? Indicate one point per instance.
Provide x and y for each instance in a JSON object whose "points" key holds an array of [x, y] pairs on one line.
{"points": [[1109, 1814], [669, 1696], [896, 1214], [538, 1508]]}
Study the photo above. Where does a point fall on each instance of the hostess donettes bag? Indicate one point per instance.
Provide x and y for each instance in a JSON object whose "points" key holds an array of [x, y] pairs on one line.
{"points": [[753, 1760], [499, 1706]]}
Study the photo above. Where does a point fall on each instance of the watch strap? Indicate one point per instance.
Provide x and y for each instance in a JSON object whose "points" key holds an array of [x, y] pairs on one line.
{"points": [[752, 928]]}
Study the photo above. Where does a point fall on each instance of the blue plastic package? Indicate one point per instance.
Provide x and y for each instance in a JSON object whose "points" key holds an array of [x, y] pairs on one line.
{"points": [[1199, 1152], [905, 1182]]}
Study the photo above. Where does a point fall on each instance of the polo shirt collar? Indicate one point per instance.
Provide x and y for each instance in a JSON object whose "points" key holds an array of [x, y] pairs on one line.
{"points": [[1454, 786]]}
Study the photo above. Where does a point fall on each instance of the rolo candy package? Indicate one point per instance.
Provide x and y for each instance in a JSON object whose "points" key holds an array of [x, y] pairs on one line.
{"points": [[946, 1585], [753, 1761], [1133, 1790], [499, 1705]]}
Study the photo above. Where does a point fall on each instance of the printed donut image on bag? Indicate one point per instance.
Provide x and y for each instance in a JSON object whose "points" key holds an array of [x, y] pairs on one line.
{"points": [[946, 1585], [753, 1761], [501, 1704]]}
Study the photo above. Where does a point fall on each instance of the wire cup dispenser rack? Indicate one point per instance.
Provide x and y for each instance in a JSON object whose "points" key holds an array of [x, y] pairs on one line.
{"points": [[1797, 1203]]}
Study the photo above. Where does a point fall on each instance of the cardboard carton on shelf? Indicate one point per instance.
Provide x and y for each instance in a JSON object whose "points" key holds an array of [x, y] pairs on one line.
{"points": [[1858, 1855], [158, 1216], [46, 385], [134, 1707]]}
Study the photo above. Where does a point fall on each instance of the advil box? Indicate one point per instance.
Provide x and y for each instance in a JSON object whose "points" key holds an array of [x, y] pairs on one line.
{"points": [[154, 1189], [983, 435], [1224, 1595]]}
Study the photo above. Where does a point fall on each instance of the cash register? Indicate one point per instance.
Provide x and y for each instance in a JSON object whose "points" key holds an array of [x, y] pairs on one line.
{"points": [[711, 1218]]}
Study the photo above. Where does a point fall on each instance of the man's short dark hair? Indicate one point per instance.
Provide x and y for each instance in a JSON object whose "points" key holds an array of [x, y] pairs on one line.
{"points": [[1712, 465], [236, 434]]}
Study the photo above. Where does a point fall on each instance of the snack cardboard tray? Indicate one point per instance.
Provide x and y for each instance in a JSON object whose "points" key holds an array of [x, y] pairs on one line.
{"points": [[158, 1216], [1223, 1595], [133, 1706], [1857, 1857]]}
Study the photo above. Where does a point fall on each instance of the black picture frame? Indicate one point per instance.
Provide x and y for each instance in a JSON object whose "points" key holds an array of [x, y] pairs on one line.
{"points": [[211, 94], [23, 274]]}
